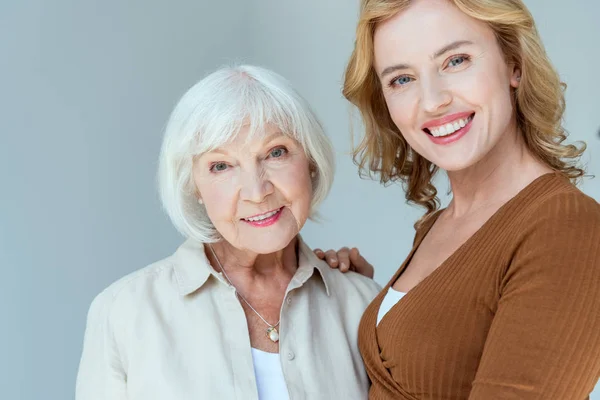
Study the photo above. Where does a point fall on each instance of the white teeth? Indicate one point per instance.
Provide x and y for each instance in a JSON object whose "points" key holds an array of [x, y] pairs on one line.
{"points": [[262, 217], [450, 128]]}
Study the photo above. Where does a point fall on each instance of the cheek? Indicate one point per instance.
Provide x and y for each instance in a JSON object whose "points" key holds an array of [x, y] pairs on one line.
{"points": [[218, 196], [503, 97], [483, 84], [491, 90], [295, 185], [403, 108], [476, 89]]}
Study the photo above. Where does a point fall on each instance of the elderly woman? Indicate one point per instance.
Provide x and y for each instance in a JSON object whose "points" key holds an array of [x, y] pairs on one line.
{"points": [[499, 297], [243, 309]]}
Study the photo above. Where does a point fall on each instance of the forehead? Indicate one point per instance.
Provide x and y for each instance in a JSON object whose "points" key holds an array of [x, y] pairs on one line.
{"points": [[423, 28], [249, 136]]}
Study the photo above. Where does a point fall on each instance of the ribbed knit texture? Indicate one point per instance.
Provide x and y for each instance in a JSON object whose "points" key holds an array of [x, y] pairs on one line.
{"points": [[514, 313]]}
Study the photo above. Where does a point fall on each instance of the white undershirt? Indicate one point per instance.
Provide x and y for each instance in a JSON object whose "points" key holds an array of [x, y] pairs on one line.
{"points": [[391, 298], [269, 376]]}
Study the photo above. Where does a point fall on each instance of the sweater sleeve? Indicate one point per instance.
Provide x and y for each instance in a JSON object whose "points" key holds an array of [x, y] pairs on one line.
{"points": [[544, 341], [101, 375]]}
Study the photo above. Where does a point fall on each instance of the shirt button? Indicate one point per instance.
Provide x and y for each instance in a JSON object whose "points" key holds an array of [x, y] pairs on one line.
{"points": [[289, 300], [291, 355]]}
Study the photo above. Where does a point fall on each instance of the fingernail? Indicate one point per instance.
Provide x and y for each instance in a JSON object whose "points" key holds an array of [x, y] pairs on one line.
{"points": [[343, 265]]}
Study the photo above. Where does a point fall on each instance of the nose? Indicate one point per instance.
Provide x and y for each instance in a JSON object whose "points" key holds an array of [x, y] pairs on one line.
{"points": [[435, 95], [255, 186]]}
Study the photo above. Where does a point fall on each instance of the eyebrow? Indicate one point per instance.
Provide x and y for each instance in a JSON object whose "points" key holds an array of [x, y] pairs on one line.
{"points": [[449, 47], [393, 68], [274, 136]]}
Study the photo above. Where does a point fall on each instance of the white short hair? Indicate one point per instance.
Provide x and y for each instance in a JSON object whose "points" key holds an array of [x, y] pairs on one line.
{"points": [[210, 114]]}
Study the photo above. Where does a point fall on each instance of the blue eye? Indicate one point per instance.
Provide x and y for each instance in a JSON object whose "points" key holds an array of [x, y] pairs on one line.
{"points": [[401, 80], [278, 152], [218, 167], [456, 61]]}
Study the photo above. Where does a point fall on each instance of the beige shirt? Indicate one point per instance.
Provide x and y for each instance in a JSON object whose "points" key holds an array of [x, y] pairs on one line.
{"points": [[176, 330]]}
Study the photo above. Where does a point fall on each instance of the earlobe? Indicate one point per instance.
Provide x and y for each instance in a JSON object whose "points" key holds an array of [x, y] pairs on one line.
{"points": [[515, 79]]}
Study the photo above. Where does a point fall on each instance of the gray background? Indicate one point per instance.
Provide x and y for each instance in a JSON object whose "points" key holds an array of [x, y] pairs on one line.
{"points": [[85, 90]]}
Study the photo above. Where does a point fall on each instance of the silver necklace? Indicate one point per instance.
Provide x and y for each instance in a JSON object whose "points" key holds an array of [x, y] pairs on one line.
{"points": [[272, 332]]}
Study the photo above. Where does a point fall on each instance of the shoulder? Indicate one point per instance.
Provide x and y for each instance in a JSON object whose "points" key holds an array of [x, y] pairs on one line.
{"points": [[348, 286], [126, 293], [349, 282], [565, 206], [349, 293], [558, 231]]}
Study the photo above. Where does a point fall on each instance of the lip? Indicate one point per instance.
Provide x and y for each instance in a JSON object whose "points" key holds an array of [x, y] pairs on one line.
{"points": [[263, 213], [446, 119], [265, 222], [452, 137]]}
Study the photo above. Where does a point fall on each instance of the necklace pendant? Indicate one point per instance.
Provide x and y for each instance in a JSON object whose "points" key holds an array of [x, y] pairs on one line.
{"points": [[273, 334]]}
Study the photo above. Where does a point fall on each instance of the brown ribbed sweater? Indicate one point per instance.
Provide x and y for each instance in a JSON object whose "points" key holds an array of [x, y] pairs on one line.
{"points": [[514, 313]]}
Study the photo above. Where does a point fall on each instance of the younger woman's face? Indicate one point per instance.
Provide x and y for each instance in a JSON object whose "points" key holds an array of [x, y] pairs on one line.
{"points": [[446, 83]]}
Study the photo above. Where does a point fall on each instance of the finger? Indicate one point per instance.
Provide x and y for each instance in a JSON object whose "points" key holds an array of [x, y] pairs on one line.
{"points": [[343, 256], [361, 265], [355, 257], [331, 258], [319, 253]]}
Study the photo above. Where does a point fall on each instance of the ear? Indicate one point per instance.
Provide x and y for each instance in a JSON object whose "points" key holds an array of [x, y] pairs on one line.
{"points": [[515, 78], [312, 169], [198, 197]]}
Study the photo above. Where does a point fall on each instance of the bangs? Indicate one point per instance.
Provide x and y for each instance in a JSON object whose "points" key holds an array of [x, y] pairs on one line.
{"points": [[241, 102]]}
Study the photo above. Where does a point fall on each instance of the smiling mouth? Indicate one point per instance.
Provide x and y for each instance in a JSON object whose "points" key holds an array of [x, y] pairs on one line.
{"points": [[263, 217], [449, 128]]}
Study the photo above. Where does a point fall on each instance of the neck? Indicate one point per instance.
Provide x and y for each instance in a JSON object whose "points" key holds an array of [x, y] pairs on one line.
{"points": [[504, 171], [246, 264]]}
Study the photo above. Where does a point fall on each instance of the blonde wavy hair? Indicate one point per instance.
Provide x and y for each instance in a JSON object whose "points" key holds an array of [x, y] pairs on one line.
{"points": [[539, 100]]}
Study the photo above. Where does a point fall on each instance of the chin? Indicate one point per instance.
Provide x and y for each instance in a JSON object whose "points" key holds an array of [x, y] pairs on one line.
{"points": [[457, 159], [455, 166], [270, 239]]}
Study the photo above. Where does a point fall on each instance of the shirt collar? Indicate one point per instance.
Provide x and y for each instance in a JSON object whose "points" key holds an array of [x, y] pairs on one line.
{"points": [[308, 262], [192, 268]]}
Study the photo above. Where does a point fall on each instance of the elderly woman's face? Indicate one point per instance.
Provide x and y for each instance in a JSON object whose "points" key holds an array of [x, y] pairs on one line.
{"points": [[257, 192], [445, 82]]}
